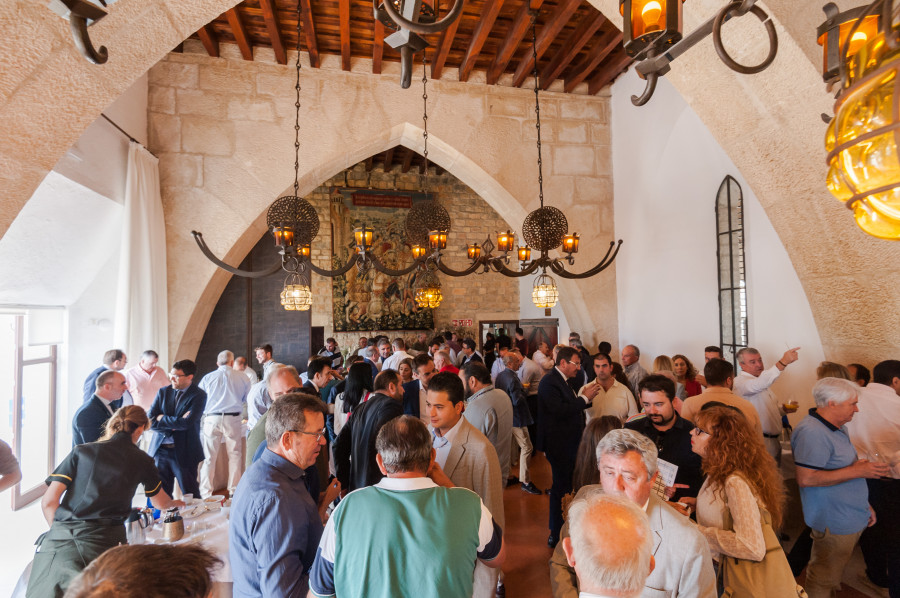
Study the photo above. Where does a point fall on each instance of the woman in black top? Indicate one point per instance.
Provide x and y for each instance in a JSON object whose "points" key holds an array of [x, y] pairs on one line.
{"points": [[88, 500]]}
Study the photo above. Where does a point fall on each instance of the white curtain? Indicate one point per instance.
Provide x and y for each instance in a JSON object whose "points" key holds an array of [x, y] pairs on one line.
{"points": [[141, 309]]}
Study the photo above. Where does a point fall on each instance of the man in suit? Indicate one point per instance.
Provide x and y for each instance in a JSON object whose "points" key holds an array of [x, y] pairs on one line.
{"points": [[90, 418], [317, 375], [115, 360], [684, 569], [467, 457], [414, 392], [562, 422], [469, 352], [175, 418]]}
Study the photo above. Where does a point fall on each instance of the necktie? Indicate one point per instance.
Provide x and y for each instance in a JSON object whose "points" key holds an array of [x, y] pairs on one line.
{"points": [[438, 441]]}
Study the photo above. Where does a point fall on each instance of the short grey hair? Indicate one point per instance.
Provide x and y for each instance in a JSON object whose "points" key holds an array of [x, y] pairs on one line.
{"points": [[281, 370], [404, 444], [369, 352], [834, 390], [445, 355], [224, 358], [620, 442], [616, 565], [289, 413], [510, 358], [745, 351]]}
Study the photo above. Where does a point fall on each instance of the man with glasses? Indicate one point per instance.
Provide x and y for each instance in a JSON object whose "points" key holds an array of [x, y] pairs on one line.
{"points": [[175, 418], [562, 422], [275, 525]]}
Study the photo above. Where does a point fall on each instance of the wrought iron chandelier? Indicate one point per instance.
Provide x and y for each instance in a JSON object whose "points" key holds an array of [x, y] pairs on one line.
{"points": [[861, 50], [294, 225]]}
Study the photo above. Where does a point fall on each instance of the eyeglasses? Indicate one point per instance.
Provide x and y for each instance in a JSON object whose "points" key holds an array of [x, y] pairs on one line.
{"points": [[575, 363], [698, 431], [319, 435]]}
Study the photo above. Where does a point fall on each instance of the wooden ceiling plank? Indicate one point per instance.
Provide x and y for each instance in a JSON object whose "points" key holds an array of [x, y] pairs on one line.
{"points": [[489, 14], [561, 15], [443, 49], [272, 26], [240, 34], [389, 159], [514, 36], [208, 36], [378, 47], [407, 161], [309, 32], [344, 14], [571, 47], [601, 50], [613, 67], [370, 163]]}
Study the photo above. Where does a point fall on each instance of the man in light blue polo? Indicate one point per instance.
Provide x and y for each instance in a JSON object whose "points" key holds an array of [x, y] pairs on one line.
{"points": [[832, 483], [412, 534]]}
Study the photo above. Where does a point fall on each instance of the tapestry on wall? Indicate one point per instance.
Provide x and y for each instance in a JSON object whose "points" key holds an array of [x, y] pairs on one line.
{"points": [[371, 300]]}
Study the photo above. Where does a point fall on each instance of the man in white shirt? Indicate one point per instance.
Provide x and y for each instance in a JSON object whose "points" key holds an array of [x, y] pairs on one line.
{"points": [[145, 379], [226, 392], [631, 357], [399, 354], [753, 384], [544, 357], [608, 395], [504, 344]]}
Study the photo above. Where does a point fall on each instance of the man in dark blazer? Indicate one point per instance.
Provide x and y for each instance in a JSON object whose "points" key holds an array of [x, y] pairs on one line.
{"points": [[562, 418], [175, 418], [90, 418], [318, 373], [414, 392], [114, 359]]}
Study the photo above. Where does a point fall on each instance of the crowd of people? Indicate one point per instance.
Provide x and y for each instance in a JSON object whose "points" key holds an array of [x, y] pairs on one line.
{"points": [[393, 457]]}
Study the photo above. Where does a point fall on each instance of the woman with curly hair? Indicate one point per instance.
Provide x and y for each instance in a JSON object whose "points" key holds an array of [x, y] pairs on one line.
{"points": [[740, 505], [686, 374]]}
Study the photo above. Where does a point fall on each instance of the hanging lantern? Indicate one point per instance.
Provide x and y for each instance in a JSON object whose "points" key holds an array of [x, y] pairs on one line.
{"points": [[437, 239], [363, 238], [417, 251], [296, 296], [428, 291], [570, 243], [544, 294], [473, 250], [506, 241], [524, 253], [650, 23], [863, 160], [304, 251], [284, 236], [834, 35]]}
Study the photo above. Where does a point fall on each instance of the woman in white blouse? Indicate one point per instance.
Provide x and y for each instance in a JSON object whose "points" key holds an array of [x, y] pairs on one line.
{"points": [[741, 501]]}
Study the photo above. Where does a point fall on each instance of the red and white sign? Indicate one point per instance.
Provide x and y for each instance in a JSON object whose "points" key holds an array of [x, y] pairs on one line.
{"points": [[462, 323]]}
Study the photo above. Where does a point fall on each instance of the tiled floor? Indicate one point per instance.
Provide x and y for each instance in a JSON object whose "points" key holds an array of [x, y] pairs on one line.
{"points": [[526, 570]]}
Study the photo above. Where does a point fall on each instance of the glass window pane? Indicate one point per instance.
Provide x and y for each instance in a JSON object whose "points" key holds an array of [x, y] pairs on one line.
{"points": [[36, 352], [35, 406], [7, 375], [727, 317]]}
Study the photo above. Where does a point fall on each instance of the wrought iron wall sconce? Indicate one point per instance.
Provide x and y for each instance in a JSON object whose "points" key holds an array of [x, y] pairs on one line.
{"points": [[81, 14], [653, 36]]}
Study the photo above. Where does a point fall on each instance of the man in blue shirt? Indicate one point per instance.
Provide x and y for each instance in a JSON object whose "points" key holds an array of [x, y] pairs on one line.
{"points": [[832, 483], [226, 392], [275, 525]]}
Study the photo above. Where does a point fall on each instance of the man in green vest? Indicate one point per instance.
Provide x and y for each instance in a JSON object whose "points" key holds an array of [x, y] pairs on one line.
{"points": [[411, 535]]}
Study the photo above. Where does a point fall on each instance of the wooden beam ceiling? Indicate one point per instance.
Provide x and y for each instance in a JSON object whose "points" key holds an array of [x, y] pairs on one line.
{"points": [[378, 47], [601, 50], [240, 34], [309, 33], [571, 47], [209, 40], [485, 24], [344, 15], [443, 49], [520, 26], [548, 33], [274, 29]]}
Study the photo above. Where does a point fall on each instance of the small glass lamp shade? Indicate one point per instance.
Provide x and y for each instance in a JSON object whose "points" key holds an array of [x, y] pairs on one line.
{"points": [[863, 150], [506, 241], [296, 296], [417, 251], [473, 250], [834, 35], [363, 237], [570, 243], [524, 253], [437, 239], [650, 23], [545, 293], [304, 251], [428, 291], [284, 236]]}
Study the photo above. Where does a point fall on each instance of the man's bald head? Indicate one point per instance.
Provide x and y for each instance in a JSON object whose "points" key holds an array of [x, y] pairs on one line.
{"points": [[611, 545]]}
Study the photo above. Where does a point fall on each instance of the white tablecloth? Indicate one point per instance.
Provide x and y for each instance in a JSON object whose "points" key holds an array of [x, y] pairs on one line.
{"points": [[214, 538]]}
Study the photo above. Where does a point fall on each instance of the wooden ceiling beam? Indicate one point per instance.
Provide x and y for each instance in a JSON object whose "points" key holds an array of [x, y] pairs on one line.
{"points": [[613, 67], [378, 47], [240, 34], [344, 15], [488, 15], [438, 171], [571, 47], [407, 161], [561, 15], [272, 26], [208, 36], [601, 50], [370, 163], [443, 49], [389, 159], [309, 32], [510, 44]]}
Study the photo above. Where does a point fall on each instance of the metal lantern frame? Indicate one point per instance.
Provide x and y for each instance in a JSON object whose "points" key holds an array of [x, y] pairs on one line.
{"points": [[638, 35], [837, 29]]}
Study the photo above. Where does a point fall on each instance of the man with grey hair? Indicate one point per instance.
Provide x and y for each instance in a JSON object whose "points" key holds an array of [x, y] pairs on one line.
{"points": [[226, 392], [631, 357], [368, 354], [412, 516], [611, 546], [753, 384], [283, 379], [627, 461], [275, 525], [832, 482], [145, 379]]}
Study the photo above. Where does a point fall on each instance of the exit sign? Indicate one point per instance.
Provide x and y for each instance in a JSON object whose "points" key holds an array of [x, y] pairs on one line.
{"points": [[462, 323]]}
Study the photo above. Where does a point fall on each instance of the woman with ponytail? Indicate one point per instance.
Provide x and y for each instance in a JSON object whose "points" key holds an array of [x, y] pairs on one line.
{"points": [[88, 499]]}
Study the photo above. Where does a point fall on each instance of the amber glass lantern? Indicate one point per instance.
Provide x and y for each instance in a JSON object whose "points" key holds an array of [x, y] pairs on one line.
{"points": [[524, 253], [417, 251], [437, 239], [842, 33], [650, 23], [863, 159], [544, 294], [363, 238], [506, 241], [473, 250], [284, 236], [304, 251], [428, 291], [570, 243]]}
